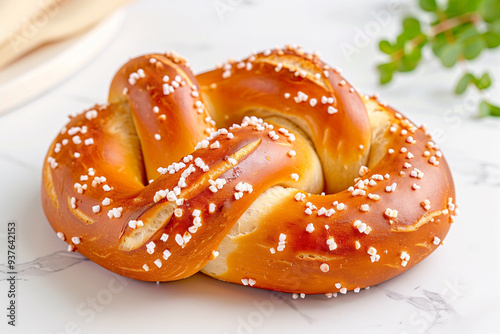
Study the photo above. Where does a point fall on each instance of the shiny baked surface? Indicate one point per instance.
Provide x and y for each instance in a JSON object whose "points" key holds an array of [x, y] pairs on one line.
{"points": [[135, 186]]}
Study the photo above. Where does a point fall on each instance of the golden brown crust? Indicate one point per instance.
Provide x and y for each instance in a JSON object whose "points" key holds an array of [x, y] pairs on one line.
{"points": [[261, 91], [134, 186]]}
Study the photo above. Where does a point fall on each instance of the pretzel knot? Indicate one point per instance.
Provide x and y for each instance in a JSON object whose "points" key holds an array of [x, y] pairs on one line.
{"points": [[304, 186]]}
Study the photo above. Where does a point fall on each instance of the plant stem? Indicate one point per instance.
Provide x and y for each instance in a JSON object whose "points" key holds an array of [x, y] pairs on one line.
{"points": [[442, 27], [453, 22]]}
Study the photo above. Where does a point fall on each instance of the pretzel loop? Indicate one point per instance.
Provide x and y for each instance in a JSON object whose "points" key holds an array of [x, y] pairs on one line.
{"points": [[148, 187]]}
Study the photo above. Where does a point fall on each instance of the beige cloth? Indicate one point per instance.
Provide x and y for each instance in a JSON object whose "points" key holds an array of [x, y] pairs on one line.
{"points": [[28, 24]]}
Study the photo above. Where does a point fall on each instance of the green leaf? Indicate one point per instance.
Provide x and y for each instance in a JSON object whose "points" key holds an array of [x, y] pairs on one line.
{"points": [[465, 31], [411, 27], [464, 81], [386, 71], [401, 40], [489, 10], [483, 82], [428, 5], [473, 47], [449, 54], [491, 39], [494, 111], [458, 7], [494, 26], [386, 47], [411, 58], [487, 109], [438, 42], [470, 27], [407, 64]]}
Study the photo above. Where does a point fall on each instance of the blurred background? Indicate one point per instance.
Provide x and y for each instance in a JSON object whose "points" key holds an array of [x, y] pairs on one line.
{"points": [[45, 42], [58, 57]]}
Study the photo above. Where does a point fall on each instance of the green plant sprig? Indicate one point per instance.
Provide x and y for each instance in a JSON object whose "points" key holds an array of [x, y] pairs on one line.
{"points": [[460, 31]]}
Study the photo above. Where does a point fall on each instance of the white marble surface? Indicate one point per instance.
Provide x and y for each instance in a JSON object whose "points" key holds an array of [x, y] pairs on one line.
{"points": [[455, 290]]}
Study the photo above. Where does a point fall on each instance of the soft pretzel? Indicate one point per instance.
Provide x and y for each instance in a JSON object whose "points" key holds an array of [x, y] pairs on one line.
{"points": [[305, 185]]}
